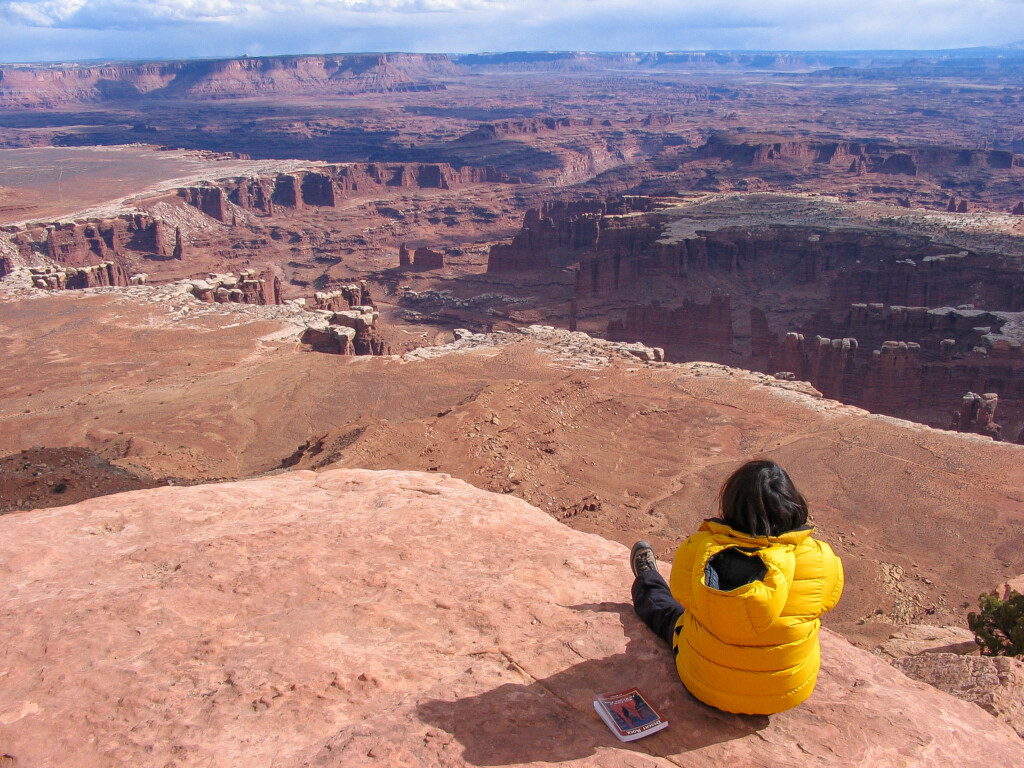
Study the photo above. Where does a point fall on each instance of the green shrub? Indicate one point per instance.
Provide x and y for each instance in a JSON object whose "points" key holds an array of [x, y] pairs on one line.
{"points": [[999, 627]]}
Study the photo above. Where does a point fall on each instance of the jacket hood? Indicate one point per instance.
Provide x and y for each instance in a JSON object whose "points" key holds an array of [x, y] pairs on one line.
{"points": [[717, 527]]}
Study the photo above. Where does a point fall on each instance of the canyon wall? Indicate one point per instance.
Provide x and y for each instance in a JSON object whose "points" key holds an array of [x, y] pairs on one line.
{"points": [[326, 185], [875, 317], [32, 86], [558, 233], [935, 280], [859, 157], [83, 243], [532, 127], [47, 86], [926, 381], [949, 352], [875, 266], [92, 253], [690, 331]]}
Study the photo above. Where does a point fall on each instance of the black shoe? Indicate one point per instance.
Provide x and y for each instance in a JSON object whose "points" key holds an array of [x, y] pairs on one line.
{"points": [[641, 558]]}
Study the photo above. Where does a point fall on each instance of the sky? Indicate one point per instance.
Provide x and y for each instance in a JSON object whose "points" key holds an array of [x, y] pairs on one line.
{"points": [[66, 30]]}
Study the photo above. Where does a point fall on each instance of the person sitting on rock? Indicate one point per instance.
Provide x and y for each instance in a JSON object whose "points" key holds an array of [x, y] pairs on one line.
{"points": [[747, 590]]}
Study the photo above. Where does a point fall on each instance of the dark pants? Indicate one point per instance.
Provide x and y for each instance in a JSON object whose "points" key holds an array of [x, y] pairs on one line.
{"points": [[654, 604]]}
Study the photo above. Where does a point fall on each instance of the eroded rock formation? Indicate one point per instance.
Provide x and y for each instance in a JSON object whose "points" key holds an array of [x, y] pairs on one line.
{"points": [[342, 298], [977, 414], [83, 243], [248, 287], [55, 85], [208, 198], [94, 276], [886, 319], [858, 157], [352, 331], [327, 184], [179, 245], [691, 330], [425, 259], [422, 258], [254, 194]]}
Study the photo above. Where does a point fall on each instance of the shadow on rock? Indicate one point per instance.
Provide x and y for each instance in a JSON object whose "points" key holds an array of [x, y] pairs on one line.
{"points": [[553, 719]]}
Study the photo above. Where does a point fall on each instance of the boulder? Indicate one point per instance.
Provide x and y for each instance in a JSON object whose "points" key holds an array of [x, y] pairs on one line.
{"points": [[915, 639], [354, 618], [1004, 590], [323, 336], [994, 683], [977, 415]]}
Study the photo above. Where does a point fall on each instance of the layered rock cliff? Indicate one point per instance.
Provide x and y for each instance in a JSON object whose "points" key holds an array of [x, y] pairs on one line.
{"points": [[354, 331], [104, 274], [81, 243], [354, 618], [55, 85], [248, 287], [859, 157], [896, 319], [327, 184], [558, 233]]}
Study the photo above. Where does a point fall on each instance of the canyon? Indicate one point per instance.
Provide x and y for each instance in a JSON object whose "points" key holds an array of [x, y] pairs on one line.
{"points": [[588, 285], [898, 314]]}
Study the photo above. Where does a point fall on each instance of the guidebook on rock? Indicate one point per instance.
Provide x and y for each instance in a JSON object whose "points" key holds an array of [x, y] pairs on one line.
{"points": [[629, 715]]}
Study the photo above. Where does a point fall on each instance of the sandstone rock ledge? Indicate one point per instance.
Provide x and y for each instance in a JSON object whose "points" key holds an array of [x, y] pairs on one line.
{"points": [[354, 618]]}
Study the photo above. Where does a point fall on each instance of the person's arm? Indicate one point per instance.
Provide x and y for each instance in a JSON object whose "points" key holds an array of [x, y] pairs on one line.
{"points": [[833, 578], [683, 564]]}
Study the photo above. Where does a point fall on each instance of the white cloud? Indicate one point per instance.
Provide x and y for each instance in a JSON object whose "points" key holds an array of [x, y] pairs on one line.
{"points": [[101, 14], [43, 14], [180, 28]]}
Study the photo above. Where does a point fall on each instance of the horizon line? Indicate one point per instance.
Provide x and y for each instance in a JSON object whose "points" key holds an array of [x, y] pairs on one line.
{"points": [[1015, 46]]}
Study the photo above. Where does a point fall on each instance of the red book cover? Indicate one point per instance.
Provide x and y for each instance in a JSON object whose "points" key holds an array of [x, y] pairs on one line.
{"points": [[629, 715]]}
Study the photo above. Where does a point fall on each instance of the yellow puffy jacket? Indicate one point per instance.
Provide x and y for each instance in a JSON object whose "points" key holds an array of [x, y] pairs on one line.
{"points": [[753, 650]]}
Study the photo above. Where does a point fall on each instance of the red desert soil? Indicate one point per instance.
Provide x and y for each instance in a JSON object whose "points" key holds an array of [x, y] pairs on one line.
{"points": [[164, 385], [54, 477]]}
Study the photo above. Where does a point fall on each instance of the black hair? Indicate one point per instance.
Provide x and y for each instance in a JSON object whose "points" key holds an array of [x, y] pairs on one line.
{"points": [[759, 499]]}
